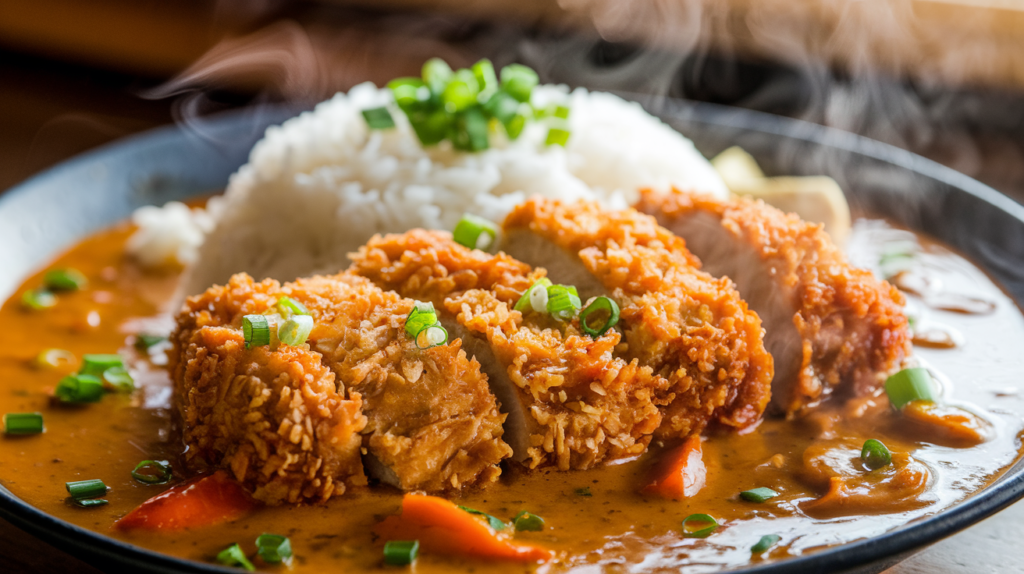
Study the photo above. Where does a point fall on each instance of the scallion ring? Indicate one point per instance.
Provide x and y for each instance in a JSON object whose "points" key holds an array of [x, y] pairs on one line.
{"points": [[766, 542], [80, 388], [152, 472], [91, 502], [421, 317], [82, 489], [23, 423], [119, 379], [55, 358], [526, 522], [274, 548], [601, 304], [295, 330], [144, 342], [475, 232], [233, 556], [288, 307], [699, 519], [97, 364], [758, 494], [911, 384], [431, 336], [65, 280], [378, 118], [38, 299], [875, 455], [563, 302], [256, 330], [401, 552], [535, 298], [519, 81], [557, 136]]}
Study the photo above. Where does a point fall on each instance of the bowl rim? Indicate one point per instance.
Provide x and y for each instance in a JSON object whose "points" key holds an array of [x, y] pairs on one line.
{"points": [[892, 545]]}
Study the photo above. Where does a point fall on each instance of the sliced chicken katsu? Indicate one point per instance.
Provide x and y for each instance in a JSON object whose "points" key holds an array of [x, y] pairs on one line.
{"points": [[829, 325], [570, 401], [290, 421], [690, 328]]}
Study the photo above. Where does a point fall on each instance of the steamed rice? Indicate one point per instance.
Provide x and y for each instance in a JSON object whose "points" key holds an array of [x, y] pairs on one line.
{"points": [[318, 186]]}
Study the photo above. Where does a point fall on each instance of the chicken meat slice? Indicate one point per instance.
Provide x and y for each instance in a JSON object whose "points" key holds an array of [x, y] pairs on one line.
{"points": [[688, 327], [830, 326], [571, 402], [291, 421]]}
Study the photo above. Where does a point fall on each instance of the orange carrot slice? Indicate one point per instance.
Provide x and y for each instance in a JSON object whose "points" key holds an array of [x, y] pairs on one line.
{"points": [[680, 473], [443, 528], [203, 501]]}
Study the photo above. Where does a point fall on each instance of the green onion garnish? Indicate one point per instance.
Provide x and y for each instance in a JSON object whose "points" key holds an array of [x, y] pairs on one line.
{"points": [[82, 489], [909, 385], [432, 336], [96, 364], [274, 548], [256, 330], [233, 556], [596, 306], [430, 126], [486, 79], [496, 523], [875, 455], [119, 379], [515, 126], [585, 491], [401, 552], [519, 81], [557, 136], [470, 130], [536, 297], [436, 75], [758, 494], [296, 330], [152, 472], [461, 92], [766, 542], [409, 93], [79, 389], [90, 502], [524, 521], [561, 112], [700, 532], [563, 302], [38, 299], [55, 358], [421, 317], [23, 423], [378, 118], [143, 342], [65, 280], [502, 107], [287, 307], [475, 232]]}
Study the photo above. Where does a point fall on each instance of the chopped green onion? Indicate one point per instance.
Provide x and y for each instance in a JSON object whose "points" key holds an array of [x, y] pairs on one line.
{"points": [[401, 552], [515, 126], [23, 423], [766, 542], [524, 521], [296, 330], [378, 118], [79, 388], [502, 107], [152, 472], [38, 299], [233, 556], [758, 494], [65, 280], [519, 81], [90, 502], [486, 79], [119, 379], [410, 93], [432, 336], [596, 306], [274, 548], [421, 317], [82, 489], [700, 532], [561, 112], [461, 92], [909, 385], [563, 302], [496, 523], [436, 75], [475, 232], [875, 455], [97, 364], [256, 330], [55, 358], [144, 342], [287, 307], [557, 136], [430, 126], [470, 130], [585, 491], [536, 297]]}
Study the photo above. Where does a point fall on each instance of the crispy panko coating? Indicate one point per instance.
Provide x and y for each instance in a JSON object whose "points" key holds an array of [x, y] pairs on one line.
{"points": [[571, 401], [850, 329], [290, 422], [690, 328]]}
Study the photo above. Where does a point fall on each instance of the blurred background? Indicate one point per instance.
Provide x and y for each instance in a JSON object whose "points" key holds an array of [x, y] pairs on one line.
{"points": [[942, 78]]}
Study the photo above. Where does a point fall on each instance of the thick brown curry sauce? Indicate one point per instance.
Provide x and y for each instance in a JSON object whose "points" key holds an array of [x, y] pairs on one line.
{"points": [[608, 525]]}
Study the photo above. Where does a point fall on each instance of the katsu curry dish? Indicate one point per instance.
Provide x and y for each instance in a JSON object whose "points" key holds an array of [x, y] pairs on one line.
{"points": [[469, 322]]}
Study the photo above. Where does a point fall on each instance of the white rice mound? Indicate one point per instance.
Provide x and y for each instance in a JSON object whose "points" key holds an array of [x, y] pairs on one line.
{"points": [[320, 185]]}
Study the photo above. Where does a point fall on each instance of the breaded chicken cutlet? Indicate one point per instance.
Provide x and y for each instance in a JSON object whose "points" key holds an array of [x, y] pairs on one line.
{"points": [[571, 402], [830, 326], [688, 327], [290, 422]]}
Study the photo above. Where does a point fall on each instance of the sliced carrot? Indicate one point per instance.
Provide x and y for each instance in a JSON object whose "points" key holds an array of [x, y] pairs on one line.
{"points": [[443, 528], [203, 501], [680, 473]]}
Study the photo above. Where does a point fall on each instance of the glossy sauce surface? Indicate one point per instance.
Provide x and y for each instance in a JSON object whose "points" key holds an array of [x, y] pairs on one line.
{"points": [[593, 518]]}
